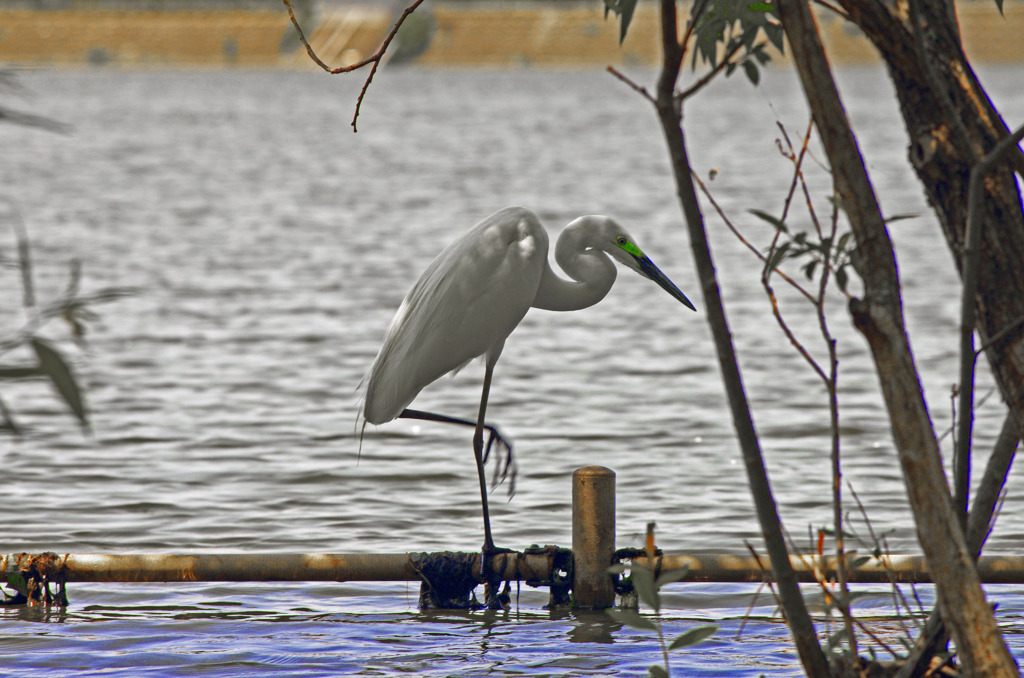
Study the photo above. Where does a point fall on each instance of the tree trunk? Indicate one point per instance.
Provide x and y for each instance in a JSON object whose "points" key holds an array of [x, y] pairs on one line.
{"points": [[879, 317], [952, 124]]}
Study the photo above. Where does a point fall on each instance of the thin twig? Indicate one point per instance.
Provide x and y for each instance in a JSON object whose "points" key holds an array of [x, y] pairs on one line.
{"points": [[968, 356], [833, 8], [881, 552], [699, 85], [746, 242], [789, 333], [636, 87], [698, 9], [999, 335], [373, 59], [796, 158]]}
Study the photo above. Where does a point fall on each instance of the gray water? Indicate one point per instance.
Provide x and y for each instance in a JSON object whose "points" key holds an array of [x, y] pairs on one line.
{"points": [[270, 247]]}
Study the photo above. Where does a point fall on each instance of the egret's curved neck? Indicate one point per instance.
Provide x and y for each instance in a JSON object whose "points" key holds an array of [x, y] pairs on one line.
{"points": [[591, 270]]}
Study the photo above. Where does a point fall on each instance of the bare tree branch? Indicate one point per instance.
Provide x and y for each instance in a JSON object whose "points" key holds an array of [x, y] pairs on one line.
{"points": [[373, 60], [636, 87]]}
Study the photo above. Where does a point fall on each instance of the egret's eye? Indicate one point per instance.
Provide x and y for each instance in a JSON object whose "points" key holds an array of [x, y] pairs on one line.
{"points": [[621, 240]]}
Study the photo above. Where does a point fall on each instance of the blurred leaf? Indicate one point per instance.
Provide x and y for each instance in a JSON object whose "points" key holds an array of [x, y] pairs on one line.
{"points": [[776, 36], [632, 619], [624, 10], [778, 255], [54, 366], [999, 4], [617, 568], [727, 25], [32, 120], [643, 584], [657, 671], [809, 268], [74, 277], [693, 636], [672, 576], [8, 420], [844, 240], [823, 608], [753, 75], [857, 562], [841, 278], [899, 217], [779, 224], [758, 53], [836, 639], [12, 372], [17, 582], [24, 263]]}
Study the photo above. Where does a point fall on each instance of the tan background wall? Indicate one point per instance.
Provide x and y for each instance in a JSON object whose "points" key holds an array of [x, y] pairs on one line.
{"points": [[491, 35]]}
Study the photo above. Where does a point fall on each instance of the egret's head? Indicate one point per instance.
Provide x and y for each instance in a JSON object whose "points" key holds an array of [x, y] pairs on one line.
{"points": [[623, 248]]}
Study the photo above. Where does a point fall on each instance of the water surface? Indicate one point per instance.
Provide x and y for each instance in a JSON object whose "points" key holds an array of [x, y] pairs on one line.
{"points": [[271, 246]]}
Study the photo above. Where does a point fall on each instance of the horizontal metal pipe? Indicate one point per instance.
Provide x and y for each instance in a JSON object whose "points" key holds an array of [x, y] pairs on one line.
{"points": [[156, 567], [535, 567], [713, 567]]}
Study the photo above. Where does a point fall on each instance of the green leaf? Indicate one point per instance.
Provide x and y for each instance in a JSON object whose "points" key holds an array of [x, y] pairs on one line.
{"points": [[753, 75], [841, 277], [779, 224], [53, 365], [643, 584], [672, 576], [776, 36], [999, 4], [624, 10], [632, 619], [17, 582], [693, 636], [657, 671], [809, 268], [844, 240], [762, 56]]}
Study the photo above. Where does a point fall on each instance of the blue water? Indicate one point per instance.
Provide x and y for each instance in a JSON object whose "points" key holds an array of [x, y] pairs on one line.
{"points": [[270, 246]]}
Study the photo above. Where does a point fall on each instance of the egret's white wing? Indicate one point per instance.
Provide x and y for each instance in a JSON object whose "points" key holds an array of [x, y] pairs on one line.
{"points": [[464, 305]]}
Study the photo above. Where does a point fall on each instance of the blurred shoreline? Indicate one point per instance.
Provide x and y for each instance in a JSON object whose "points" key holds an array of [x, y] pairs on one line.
{"points": [[461, 34]]}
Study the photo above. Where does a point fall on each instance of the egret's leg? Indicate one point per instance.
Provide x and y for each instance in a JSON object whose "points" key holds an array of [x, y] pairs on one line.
{"points": [[507, 470], [478, 452]]}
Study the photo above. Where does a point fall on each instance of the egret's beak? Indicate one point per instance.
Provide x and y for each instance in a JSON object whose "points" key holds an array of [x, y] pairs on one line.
{"points": [[648, 269]]}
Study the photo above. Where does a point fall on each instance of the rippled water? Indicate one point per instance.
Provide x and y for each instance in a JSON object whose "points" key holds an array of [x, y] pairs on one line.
{"points": [[270, 247]]}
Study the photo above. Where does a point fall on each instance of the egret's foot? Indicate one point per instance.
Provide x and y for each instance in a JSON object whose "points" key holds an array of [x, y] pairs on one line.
{"points": [[498, 601], [487, 554], [502, 471], [492, 580]]}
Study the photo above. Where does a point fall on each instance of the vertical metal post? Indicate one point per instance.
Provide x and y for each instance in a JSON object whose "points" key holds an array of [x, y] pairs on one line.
{"points": [[593, 536]]}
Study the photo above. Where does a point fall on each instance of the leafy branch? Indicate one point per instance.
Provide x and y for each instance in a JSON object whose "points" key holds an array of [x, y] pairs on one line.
{"points": [[74, 308], [647, 585]]}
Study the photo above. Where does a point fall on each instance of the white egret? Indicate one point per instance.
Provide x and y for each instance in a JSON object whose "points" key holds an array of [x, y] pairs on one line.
{"points": [[473, 295]]}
